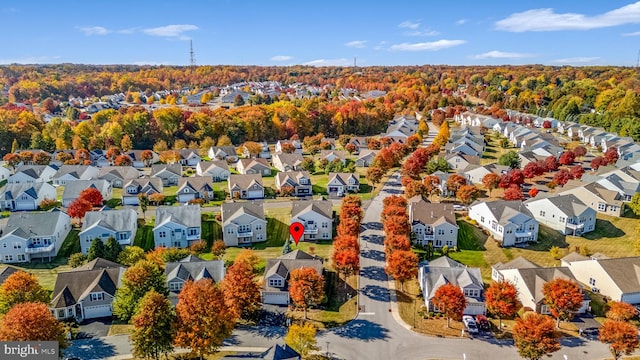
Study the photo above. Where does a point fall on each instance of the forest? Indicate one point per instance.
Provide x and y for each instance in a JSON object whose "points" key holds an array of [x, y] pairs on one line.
{"points": [[601, 96]]}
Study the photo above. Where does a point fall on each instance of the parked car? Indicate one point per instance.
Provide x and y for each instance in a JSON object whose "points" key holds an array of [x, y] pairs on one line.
{"points": [[483, 322], [470, 323]]}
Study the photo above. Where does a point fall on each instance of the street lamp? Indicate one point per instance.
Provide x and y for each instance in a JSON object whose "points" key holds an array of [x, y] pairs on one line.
{"points": [[327, 349]]}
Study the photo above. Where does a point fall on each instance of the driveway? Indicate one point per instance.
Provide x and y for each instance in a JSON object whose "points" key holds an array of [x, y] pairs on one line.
{"points": [[94, 328]]}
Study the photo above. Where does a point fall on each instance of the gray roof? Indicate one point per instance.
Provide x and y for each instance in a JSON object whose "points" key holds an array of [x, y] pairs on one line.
{"points": [[504, 210], [120, 172], [195, 270], [289, 262], [322, 207], [144, 184], [292, 177], [34, 171], [197, 183], [210, 165], [447, 271], [28, 224], [228, 150], [73, 188], [175, 169], [12, 191], [276, 352], [535, 278], [234, 209], [74, 170], [98, 263], [115, 220], [343, 177], [244, 181], [72, 286], [337, 153], [259, 163], [6, 272], [289, 159], [569, 204], [186, 215], [432, 213], [517, 263]]}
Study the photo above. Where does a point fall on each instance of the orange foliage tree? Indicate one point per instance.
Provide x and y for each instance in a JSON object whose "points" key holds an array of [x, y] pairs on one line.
{"points": [[123, 160], [392, 210], [563, 297], [490, 181], [306, 288], [450, 300], [467, 193], [153, 327], [621, 336], [402, 265], [31, 321], [621, 311], [21, 287], [92, 195], [534, 336], [241, 293], [78, 208], [396, 242], [502, 300], [203, 318], [397, 225], [346, 254]]}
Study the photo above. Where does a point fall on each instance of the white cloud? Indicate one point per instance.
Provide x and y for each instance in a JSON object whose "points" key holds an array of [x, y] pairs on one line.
{"points": [[427, 46], [95, 30], [501, 55], [577, 60], [329, 62], [380, 45], [426, 32], [409, 24], [548, 20], [461, 21], [636, 33], [30, 60], [359, 44], [281, 58], [171, 31]]}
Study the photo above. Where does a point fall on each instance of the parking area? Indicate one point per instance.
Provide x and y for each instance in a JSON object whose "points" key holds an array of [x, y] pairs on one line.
{"points": [[94, 328]]}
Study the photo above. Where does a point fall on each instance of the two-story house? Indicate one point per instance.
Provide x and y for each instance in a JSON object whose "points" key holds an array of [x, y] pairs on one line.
{"points": [[177, 226], [433, 223], [509, 222], [226, 153], [275, 289], [189, 157], [25, 196], [29, 174], [33, 236], [134, 187], [298, 181], [460, 161], [169, 173], [253, 166], [246, 186], [73, 189], [316, 216], [117, 175], [243, 223], [118, 224], [565, 213], [197, 187], [287, 162], [191, 268], [444, 270], [217, 170], [331, 155], [475, 173], [70, 173], [340, 184], [617, 279], [596, 196]]}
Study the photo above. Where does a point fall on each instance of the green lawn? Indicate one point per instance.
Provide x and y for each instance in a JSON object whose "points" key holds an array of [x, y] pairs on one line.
{"points": [[71, 245], [144, 237], [493, 150], [470, 237]]}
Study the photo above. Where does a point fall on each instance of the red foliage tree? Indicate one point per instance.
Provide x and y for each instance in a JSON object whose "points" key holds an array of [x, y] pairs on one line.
{"points": [[516, 176], [533, 192], [563, 297], [346, 261], [112, 153], [502, 300], [546, 124], [467, 193], [490, 181], [562, 177], [454, 182], [123, 160], [597, 162], [146, 156], [450, 300], [42, 158], [531, 170], [402, 265], [551, 163], [288, 148], [580, 151], [12, 159], [567, 158], [392, 210], [78, 208], [348, 227], [513, 192], [31, 321], [576, 171], [621, 336], [412, 168], [92, 195], [611, 155], [505, 181], [416, 187], [394, 200], [82, 155]]}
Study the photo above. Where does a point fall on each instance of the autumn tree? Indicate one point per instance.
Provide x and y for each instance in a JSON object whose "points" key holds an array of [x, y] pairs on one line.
{"points": [[397, 225], [241, 293], [576, 171], [126, 144], [502, 300], [534, 336], [137, 280], [123, 160], [12, 160], [78, 208], [302, 338], [562, 177], [156, 198], [21, 287], [532, 170], [248, 256], [455, 182], [580, 151], [91, 195], [467, 194], [402, 265], [203, 319], [31, 321], [567, 158], [513, 192], [563, 297], [306, 288], [131, 255], [146, 156], [621, 311], [112, 153], [374, 174], [153, 327], [41, 158], [490, 181], [450, 300], [169, 156], [253, 148], [621, 336], [551, 163], [394, 243], [218, 249], [611, 156]]}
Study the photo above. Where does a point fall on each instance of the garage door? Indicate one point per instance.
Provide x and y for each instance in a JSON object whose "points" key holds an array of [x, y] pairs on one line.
{"points": [[275, 298], [24, 205], [91, 312], [130, 200], [255, 194], [475, 309]]}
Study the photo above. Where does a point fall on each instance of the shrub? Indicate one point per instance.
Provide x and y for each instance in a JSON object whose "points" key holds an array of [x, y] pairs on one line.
{"points": [[556, 252], [112, 203], [198, 247], [552, 184], [76, 260]]}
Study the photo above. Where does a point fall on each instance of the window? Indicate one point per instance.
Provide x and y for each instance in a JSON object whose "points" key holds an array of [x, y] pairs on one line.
{"points": [[592, 281], [17, 245], [472, 292], [193, 231], [542, 213], [481, 218], [602, 207], [244, 228], [175, 286], [97, 296], [8, 258], [275, 282], [61, 313], [325, 225], [162, 234], [449, 243], [70, 312], [440, 231], [122, 236], [258, 226], [438, 243], [562, 219], [229, 230], [259, 237], [22, 257], [532, 227], [325, 235]]}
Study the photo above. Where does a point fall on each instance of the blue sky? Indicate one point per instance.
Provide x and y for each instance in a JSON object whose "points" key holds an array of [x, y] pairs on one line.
{"points": [[328, 32]]}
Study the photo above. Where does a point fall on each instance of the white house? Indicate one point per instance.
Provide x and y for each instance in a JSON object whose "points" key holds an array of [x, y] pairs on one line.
{"points": [[4, 173], [70, 173], [297, 145], [32, 173], [227, 153], [243, 223], [340, 184], [25, 196], [189, 157], [275, 289], [509, 222], [316, 216], [197, 187], [73, 189], [618, 279], [565, 213], [177, 226], [169, 173], [475, 173], [433, 223], [217, 170], [331, 155], [33, 236], [287, 162], [134, 187], [246, 186], [118, 224], [254, 166]]}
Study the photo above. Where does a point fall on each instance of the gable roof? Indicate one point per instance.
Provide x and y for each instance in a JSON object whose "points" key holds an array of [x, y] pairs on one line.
{"points": [[73, 188], [230, 211], [260, 163], [569, 204], [207, 166], [98, 263], [197, 183], [517, 263], [535, 278], [244, 181], [292, 177], [186, 215], [114, 220], [448, 271], [343, 178], [121, 172], [284, 264], [6, 272], [174, 169], [337, 153], [73, 170], [276, 352], [144, 184], [322, 207], [33, 171], [432, 213], [195, 270], [72, 286], [289, 159], [28, 224], [504, 210], [13, 190]]}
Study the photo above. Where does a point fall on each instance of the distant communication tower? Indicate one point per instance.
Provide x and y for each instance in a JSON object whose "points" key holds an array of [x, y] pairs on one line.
{"points": [[192, 56]]}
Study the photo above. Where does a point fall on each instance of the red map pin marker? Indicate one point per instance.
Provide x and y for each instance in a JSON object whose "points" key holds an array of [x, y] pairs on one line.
{"points": [[296, 230]]}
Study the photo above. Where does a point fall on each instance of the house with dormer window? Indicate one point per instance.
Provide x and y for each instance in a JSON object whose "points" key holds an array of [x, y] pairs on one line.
{"points": [[316, 216], [340, 184], [275, 288], [177, 226], [118, 224], [134, 187], [197, 187], [299, 181], [243, 223], [33, 236], [433, 223]]}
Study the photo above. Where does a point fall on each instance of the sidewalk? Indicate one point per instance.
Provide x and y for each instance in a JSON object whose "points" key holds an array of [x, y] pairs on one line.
{"points": [[237, 349]]}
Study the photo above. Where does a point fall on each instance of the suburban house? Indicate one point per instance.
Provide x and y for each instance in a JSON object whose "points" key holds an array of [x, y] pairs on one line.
{"points": [[517, 263], [33, 236], [300, 181], [134, 187], [331, 155], [86, 292], [474, 173], [460, 161], [169, 173], [316, 216], [565, 213], [136, 158], [254, 166], [445, 270], [596, 196], [189, 157], [197, 187], [365, 157], [433, 223], [618, 279], [217, 170], [508, 222], [191, 268], [530, 281], [243, 223], [265, 153], [73, 189], [28, 174], [70, 173], [275, 289], [25, 196], [226, 153], [297, 145], [118, 224], [527, 157], [464, 146], [117, 175], [287, 162], [246, 186], [400, 128], [360, 142], [177, 226], [340, 184]]}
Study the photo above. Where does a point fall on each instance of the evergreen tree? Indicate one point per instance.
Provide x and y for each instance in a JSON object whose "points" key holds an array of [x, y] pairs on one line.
{"points": [[96, 249], [112, 249], [287, 247]]}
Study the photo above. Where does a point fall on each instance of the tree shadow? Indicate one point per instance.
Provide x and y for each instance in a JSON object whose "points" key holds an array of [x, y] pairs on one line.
{"points": [[372, 225], [572, 341], [268, 332], [374, 239], [375, 292], [604, 229], [393, 191], [94, 348], [373, 254], [373, 273], [363, 330]]}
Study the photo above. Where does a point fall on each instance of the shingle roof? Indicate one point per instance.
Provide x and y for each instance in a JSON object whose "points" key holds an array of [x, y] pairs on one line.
{"points": [[73, 188], [34, 223], [517, 263], [72, 286], [207, 166], [253, 163], [289, 159], [74, 170], [535, 278], [450, 272], [197, 183], [322, 207], [195, 270], [569, 204], [292, 177], [186, 215], [121, 172], [432, 213], [285, 264], [34, 171], [98, 263], [232, 210], [175, 169], [244, 181], [12, 191], [115, 220]]}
